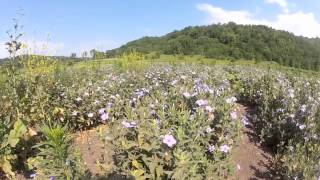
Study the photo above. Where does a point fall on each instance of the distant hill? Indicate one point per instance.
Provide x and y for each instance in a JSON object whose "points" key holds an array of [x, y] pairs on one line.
{"points": [[232, 41]]}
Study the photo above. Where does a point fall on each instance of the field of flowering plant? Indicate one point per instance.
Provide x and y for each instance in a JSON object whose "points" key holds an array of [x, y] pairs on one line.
{"points": [[165, 121], [287, 117], [176, 123]]}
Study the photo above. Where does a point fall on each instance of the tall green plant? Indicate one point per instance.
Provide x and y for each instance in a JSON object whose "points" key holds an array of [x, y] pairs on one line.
{"points": [[56, 158], [12, 127]]}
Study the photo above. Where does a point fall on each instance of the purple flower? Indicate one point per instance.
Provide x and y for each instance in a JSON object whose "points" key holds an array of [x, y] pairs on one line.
{"points": [[101, 111], [140, 94], [303, 108], [233, 115], [209, 130], [174, 82], [158, 122], [291, 93], [52, 178], [109, 105], [231, 100], [225, 148], [104, 116], [169, 140], [244, 120], [209, 109], [129, 124], [211, 148], [153, 112], [201, 102]]}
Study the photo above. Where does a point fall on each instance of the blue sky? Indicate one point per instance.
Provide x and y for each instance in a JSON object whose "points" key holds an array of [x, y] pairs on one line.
{"points": [[79, 25]]}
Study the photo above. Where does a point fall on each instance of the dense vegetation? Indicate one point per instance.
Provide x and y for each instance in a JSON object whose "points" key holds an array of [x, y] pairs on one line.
{"points": [[231, 41], [167, 121]]}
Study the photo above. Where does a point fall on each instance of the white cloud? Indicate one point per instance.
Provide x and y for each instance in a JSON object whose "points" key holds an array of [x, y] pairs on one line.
{"points": [[299, 23], [282, 3]]}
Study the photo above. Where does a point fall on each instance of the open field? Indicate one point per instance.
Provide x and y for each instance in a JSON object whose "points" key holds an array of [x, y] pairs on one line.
{"points": [[187, 118]]}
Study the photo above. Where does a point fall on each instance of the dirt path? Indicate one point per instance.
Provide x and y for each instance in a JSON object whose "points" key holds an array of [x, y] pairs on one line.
{"points": [[253, 161], [96, 154]]}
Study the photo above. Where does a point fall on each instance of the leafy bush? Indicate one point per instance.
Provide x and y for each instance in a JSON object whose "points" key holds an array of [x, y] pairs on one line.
{"points": [[56, 157], [179, 136], [287, 118]]}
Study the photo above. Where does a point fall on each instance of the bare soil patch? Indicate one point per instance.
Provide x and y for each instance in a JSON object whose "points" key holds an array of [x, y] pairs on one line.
{"points": [[253, 160]]}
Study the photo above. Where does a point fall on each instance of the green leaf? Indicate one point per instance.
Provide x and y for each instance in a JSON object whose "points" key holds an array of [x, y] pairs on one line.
{"points": [[6, 166], [137, 174], [19, 129]]}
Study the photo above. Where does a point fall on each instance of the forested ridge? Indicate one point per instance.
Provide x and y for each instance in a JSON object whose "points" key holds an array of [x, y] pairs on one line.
{"points": [[232, 41]]}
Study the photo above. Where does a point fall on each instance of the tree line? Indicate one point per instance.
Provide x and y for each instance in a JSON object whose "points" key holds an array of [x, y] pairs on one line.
{"points": [[232, 41]]}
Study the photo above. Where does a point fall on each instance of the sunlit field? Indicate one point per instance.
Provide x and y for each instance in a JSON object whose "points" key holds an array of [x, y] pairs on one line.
{"points": [[165, 119], [141, 90]]}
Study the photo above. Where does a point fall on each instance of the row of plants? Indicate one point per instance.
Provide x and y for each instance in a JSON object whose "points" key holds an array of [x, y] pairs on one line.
{"points": [[286, 117], [167, 121], [45, 107]]}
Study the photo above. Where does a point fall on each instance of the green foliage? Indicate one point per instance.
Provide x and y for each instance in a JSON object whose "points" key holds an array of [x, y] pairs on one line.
{"points": [[9, 138], [231, 41], [132, 60], [56, 158], [44, 90], [140, 128], [287, 118]]}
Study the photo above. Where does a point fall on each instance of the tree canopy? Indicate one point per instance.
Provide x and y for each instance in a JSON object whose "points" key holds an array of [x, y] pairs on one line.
{"points": [[232, 41]]}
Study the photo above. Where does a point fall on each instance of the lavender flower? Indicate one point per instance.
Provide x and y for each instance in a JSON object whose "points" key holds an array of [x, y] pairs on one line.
{"points": [[225, 148], [109, 105], [303, 108], [140, 94], [104, 116], [169, 140], [280, 110], [129, 124], [174, 82], [209, 109], [244, 120], [101, 111], [201, 102], [291, 93], [211, 148], [209, 130], [233, 115], [231, 100]]}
